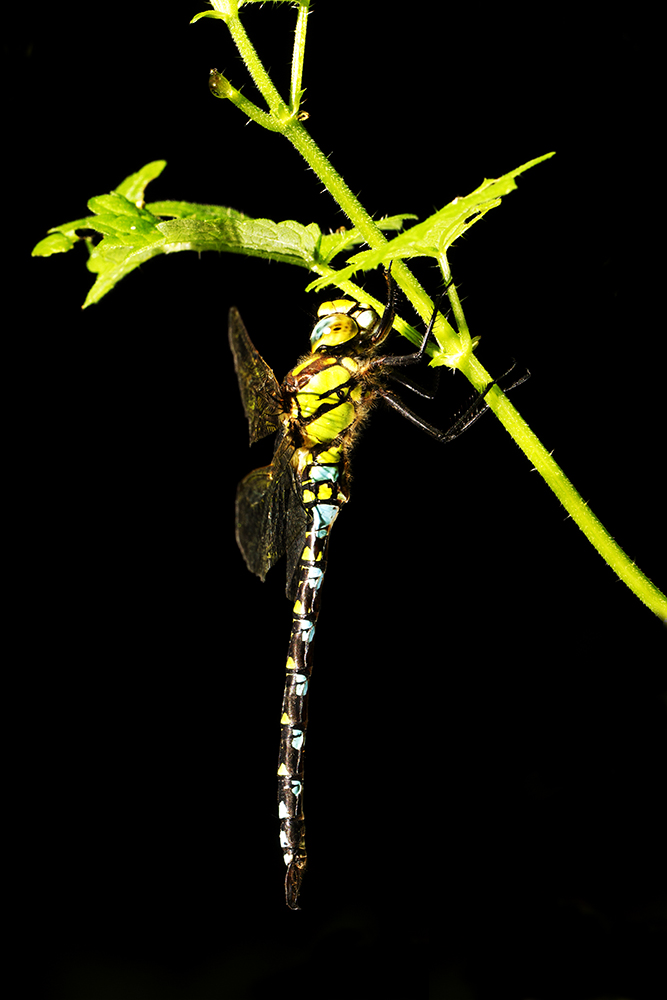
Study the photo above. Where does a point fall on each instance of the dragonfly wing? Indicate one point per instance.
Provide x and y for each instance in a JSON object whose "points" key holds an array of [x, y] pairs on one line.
{"points": [[260, 391], [295, 540], [270, 517], [258, 513]]}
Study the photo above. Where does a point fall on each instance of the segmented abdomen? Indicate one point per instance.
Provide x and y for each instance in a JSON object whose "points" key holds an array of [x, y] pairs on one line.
{"points": [[325, 397], [323, 499]]}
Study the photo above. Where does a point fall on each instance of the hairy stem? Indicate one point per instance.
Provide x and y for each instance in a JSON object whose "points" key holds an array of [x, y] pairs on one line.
{"points": [[458, 346]]}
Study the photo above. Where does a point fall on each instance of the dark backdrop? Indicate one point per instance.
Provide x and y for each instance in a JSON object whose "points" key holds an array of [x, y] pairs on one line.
{"points": [[486, 753]]}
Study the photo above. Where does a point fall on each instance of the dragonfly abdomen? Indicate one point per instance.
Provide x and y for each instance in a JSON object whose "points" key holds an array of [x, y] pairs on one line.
{"points": [[322, 498]]}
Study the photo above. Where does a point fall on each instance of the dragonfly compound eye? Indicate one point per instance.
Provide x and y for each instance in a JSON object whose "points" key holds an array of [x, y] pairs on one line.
{"points": [[333, 330], [367, 318]]}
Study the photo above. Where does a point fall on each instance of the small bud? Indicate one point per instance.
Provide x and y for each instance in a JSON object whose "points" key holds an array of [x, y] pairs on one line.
{"points": [[219, 85]]}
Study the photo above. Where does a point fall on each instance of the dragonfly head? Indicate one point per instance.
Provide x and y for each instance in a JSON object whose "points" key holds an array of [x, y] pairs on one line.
{"points": [[344, 325]]}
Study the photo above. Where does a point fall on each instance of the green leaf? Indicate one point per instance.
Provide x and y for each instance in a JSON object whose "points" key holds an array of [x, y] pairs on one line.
{"points": [[286, 241], [229, 11], [241, 3], [192, 210], [335, 243], [208, 13], [434, 236], [133, 233], [134, 186], [55, 243]]}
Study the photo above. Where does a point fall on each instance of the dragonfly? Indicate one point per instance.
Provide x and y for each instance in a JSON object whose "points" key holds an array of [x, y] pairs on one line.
{"points": [[288, 508]]}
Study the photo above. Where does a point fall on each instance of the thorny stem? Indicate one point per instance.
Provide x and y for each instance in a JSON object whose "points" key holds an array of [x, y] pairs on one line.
{"points": [[283, 118]]}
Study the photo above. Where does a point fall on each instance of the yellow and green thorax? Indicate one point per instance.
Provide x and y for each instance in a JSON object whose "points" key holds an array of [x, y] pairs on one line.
{"points": [[325, 392]]}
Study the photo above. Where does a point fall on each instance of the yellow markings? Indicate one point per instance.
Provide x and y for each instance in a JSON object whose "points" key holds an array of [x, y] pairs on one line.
{"points": [[349, 363], [319, 556], [282, 770], [324, 492], [308, 403], [298, 610], [300, 368], [331, 424], [330, 457], [308, 495], [326, 379], [334, 306], [306, 555], [290, 665], [284, 720]]}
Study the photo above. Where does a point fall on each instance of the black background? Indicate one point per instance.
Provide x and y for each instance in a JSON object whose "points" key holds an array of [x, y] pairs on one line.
{"points": [[486, 752]]}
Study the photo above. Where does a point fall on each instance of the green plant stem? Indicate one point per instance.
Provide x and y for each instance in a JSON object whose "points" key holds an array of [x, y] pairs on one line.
{"points": [[455, 302], [286, 122], [456, 345], [356, 213], [261, 78], [573, 502], [480, 378], [298, 56]]}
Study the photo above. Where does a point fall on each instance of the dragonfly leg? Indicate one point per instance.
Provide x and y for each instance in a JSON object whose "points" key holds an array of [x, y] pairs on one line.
{"points": [[386, 323], [469, 417], [401, 360]]}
